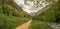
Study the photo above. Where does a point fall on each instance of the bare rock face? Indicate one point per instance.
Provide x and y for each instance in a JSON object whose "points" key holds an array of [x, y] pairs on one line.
{"points": [[35, 6]]}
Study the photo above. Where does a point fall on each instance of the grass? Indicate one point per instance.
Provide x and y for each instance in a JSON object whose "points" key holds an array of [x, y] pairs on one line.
{"points": [[39, 25], [10, 22]]}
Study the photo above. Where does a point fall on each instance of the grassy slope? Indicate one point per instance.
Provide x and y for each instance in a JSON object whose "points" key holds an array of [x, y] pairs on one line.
{"points": [[10, 22], [39, 25]]}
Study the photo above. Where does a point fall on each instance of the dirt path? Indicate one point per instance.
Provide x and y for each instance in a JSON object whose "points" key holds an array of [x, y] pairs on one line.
{"points": [[25, 25]]}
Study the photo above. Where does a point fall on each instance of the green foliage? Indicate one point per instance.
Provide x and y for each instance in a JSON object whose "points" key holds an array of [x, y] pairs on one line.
{"points": [[10, 22], [39, 25], [0, 9], [11, 11], [11, 17], [51, 14]]}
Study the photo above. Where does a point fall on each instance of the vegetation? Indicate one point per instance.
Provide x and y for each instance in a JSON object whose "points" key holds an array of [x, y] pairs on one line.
{"points": [[50, 15], [11, 17], [10, 22]]}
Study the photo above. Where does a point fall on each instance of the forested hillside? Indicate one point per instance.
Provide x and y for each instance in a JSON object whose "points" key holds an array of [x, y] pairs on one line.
{"points": [[10, 16], [50, 15]]}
